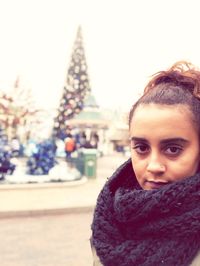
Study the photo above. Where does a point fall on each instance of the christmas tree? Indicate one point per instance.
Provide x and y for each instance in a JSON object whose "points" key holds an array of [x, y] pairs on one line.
{"points": [[76, 88]]}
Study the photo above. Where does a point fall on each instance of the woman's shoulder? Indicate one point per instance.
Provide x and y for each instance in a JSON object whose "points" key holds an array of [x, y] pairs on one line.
{"points": [[196, 261], [96, 260]]}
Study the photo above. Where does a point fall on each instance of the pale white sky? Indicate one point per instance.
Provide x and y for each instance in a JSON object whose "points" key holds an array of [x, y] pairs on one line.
{"points": [[125, 42]]}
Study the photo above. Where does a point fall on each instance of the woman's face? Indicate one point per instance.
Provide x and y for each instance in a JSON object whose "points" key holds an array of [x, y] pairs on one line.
{"points": [[164, 144]]}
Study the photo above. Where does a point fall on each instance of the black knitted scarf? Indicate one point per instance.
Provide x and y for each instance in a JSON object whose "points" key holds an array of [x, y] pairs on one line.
{"points": [[135, 227]]}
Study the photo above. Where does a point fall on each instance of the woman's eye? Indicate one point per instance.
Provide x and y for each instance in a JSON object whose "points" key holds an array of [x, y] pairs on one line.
{"points": [[173, 150], [141, 148]]}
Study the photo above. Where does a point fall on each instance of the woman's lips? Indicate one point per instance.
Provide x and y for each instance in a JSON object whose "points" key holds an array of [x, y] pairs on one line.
{"points": [[156, 184]]}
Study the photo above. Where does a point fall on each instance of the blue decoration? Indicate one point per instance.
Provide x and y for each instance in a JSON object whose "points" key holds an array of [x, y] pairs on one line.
{"points": [[6, 166], [43, 160]]}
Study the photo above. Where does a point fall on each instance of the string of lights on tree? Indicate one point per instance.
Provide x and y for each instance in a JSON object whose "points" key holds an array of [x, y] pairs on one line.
{"points": [[76, 88]]}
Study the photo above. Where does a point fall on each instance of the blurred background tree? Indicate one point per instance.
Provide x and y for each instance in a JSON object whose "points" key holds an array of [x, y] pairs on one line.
{"points": [[18, 112]]}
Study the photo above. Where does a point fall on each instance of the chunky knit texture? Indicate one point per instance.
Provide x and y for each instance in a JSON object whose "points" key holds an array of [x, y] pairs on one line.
{"points": [[133, 227]]}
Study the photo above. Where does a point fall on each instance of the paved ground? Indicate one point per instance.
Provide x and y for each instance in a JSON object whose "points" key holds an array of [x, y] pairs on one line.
{"points": [[56, 240], [61, 196], [50, 225]]}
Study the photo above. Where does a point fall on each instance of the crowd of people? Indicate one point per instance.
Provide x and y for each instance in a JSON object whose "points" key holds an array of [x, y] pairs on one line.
{"points": [[74, 140]]}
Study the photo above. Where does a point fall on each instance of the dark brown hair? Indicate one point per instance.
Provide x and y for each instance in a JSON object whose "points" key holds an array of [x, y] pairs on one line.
{"points": [[178, 85]]}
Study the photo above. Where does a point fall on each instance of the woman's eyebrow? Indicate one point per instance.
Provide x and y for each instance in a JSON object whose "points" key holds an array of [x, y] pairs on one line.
{"points": [[174, 140], [163, 141], [138, 139]]}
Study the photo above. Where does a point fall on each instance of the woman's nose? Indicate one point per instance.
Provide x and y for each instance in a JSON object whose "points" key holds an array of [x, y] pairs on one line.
{"points": [[155, 165]]}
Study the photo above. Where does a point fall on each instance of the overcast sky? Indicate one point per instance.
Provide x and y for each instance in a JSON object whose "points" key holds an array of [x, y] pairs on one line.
{"points": [[125, 42]]}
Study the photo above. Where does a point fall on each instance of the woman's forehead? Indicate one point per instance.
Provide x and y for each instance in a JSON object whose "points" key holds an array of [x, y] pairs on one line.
{"points": [[153, 110], [161, 119]]}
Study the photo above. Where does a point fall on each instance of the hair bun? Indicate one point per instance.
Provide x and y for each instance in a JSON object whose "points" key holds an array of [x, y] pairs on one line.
{"points": [[182, 74]]}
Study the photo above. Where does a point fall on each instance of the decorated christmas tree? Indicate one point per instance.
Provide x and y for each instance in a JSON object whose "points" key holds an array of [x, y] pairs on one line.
{"points": [[76, 88]]}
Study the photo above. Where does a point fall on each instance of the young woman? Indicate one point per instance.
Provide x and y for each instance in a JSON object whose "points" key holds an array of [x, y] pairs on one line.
{"points": [[148, 212]]}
